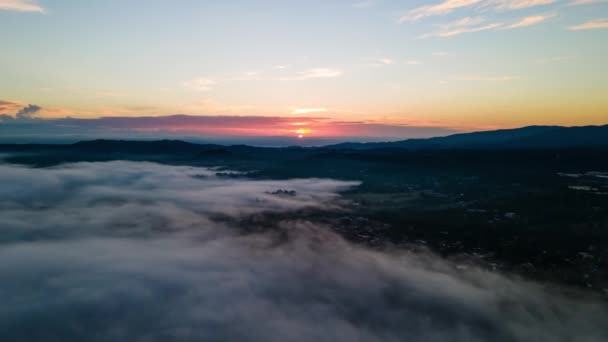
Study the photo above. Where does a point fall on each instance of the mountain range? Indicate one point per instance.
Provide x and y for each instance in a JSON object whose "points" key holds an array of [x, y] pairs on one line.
{"points": [[518, 138], [531, 137]]}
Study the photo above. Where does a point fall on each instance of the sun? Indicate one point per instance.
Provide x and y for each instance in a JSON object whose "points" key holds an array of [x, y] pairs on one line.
{"points": [[302, 132]]}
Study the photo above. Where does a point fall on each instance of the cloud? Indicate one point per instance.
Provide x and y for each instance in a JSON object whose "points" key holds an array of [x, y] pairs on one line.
{"points": [[413, 62], [21, 6], [586, 2], [21, 110], [320, 73], [314, 73], [467, 21], [192, 188], [449, 6], [140, 251], [385, 61], [200, 84], [519, 4], [203, 127], [529, 21], [380, 62], [438, 9], [591, 25], [27, 112], [461, 26], [304, 111], [11, 107], [478, 24]]}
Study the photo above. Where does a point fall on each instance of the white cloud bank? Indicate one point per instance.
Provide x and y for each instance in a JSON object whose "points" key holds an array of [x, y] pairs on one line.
{"points": [[125, 251]]}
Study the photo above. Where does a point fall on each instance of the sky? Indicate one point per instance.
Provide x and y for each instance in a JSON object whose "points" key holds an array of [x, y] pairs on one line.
{"points": [[315, 68]]}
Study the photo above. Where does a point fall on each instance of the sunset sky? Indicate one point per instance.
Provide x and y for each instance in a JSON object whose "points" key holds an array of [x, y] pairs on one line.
{"points": [[374, 68]]}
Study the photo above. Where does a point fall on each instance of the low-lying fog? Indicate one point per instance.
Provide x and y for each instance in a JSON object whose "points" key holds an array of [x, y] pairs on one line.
{"points": [[125, 251]]}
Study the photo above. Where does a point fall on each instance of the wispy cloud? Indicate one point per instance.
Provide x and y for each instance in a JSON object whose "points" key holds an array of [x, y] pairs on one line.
{"points": [[301, 111], [478, 24], [529, 21], [314, 73], [200, 84], [21, 6], [449, 6], [518, 4], [413, 62], [379, 62], [464, 25], [438, 9], [10, 107], [586, 2], [590, 25], [460, 31], [179, 126]]}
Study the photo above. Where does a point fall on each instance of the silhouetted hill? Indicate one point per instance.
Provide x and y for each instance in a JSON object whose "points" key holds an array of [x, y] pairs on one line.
{"points": [[160, 146], [532, 137], [526, 137]]}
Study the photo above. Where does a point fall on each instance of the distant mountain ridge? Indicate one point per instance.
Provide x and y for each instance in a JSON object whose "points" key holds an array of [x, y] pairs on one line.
{"points": [[525, 137], [531, 137]]}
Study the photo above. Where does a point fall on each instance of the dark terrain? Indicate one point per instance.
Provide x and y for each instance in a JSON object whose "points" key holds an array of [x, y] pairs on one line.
{"points": [[532, 202]]}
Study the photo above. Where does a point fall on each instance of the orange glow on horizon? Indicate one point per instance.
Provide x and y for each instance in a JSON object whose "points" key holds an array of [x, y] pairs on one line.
{"points": [[303, 131]]}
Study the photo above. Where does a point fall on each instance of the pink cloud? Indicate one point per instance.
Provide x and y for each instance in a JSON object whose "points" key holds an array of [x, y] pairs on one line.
{"points": [[218, 126]]}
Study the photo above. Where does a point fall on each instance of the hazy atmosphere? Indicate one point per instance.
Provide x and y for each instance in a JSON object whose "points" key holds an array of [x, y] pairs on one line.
{"points": [[347, 70], [304, 170]]}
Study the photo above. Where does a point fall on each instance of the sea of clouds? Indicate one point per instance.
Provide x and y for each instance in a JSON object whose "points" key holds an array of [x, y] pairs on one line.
{"points": [[133, 251]]}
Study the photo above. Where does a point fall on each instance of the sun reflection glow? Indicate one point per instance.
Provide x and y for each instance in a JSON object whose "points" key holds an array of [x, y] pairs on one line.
{"points": [[302, 132]]}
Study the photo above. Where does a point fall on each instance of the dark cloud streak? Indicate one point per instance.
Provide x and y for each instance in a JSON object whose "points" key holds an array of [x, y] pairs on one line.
{"points": [[28, 112], [19, 123]]}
